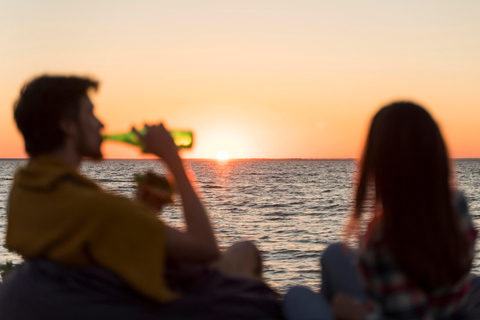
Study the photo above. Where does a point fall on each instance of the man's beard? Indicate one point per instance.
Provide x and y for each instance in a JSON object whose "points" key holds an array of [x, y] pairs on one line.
{"points": [[87, 151]]}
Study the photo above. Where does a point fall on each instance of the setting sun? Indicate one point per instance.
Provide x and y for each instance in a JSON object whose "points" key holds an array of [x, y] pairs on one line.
{"points": [[222, 155]]}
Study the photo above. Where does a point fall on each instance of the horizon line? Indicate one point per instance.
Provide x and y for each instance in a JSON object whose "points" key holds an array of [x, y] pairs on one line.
{"points": [[235, 159]]}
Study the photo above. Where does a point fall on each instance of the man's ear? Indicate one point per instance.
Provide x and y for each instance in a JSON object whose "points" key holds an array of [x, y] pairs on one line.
{"points": [[69, 127]]}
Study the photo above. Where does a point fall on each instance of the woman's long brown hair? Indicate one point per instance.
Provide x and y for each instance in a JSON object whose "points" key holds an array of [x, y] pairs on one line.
{"points": [[405, 160]]}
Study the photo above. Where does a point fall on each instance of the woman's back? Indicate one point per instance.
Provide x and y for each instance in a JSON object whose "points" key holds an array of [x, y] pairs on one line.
{"points": [[396, 294], [418, 247]]}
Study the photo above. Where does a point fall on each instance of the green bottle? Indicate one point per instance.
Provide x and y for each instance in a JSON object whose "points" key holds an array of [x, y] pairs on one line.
{"points": [[183, 139]]}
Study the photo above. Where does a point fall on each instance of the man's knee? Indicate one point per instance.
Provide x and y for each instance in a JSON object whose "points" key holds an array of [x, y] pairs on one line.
{"points": [[242, 258], [244, 246], [249, 249]]}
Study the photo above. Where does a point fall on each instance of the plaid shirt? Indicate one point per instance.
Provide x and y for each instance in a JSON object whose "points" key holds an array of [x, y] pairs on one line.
{"points": [[395, 296]]}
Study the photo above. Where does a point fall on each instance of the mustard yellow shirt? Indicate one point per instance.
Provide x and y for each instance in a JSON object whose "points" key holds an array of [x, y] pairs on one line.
{"points": [[57, 214]]}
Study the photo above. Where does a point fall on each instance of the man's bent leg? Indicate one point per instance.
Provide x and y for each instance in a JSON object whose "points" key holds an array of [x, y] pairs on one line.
{"points": [[241, 259]]}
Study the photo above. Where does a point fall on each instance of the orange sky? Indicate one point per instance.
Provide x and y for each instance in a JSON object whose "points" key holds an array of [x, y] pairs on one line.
{"points": [[259, 79]]}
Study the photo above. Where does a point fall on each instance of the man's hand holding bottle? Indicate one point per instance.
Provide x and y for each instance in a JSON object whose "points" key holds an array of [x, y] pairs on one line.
{"points": [[158, 141]]}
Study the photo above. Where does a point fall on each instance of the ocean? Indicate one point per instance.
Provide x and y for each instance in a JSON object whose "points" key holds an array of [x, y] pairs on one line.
{"points": [[292, 209]]}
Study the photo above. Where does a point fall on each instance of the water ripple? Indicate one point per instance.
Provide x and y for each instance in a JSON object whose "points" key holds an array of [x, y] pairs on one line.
{"points": [[291, 209]]}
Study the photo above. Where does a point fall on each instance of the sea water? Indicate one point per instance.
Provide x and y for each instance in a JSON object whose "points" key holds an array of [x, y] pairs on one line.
{"points": [[291, 209]]}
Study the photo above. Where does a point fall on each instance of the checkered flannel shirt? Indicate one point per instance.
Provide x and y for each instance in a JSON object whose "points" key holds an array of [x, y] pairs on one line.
{"points": [[395, 296]]}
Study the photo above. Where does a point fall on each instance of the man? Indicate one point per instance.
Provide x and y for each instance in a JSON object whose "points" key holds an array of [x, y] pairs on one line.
{"points": [[91, 254]]}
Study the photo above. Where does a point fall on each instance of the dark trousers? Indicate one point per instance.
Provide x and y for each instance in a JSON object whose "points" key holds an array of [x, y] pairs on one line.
{"points": [[41, 289]]}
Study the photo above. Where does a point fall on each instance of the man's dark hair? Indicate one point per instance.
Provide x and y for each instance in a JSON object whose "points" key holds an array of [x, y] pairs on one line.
{"points": [[43, 103]]}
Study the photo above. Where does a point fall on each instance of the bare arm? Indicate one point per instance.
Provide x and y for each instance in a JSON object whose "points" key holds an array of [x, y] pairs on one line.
{"points": [[198, 242]]}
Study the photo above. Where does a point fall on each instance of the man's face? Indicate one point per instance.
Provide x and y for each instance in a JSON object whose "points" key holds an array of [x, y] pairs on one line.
{"points": [[89, 137]]}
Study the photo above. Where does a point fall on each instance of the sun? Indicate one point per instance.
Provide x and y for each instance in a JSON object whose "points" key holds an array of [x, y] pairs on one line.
{"points": [[222, 155]]}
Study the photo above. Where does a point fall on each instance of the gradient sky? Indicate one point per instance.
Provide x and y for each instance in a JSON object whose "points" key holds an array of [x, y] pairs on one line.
{"points": [[259, 79]]}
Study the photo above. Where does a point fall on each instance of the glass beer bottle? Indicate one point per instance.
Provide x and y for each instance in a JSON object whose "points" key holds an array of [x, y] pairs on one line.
{"points": [[183, 139]]}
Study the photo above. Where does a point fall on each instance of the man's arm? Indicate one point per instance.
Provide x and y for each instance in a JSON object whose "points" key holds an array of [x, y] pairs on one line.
{"points": [[198, 242]]}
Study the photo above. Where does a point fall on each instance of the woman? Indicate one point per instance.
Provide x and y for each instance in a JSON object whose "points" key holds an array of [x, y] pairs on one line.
{"points": [[415, 256]]}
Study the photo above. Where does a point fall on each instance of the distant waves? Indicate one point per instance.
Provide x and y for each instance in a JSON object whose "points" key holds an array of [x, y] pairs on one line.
{"points": [[291, 209]]}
